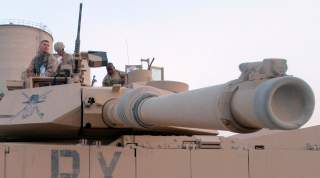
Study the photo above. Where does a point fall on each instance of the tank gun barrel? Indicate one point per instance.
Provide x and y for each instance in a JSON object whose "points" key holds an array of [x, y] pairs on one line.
{"points": [[243, 105]]}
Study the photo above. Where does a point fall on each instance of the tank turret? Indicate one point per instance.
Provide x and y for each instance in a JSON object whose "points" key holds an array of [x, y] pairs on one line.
{"points": [[262, 97]]}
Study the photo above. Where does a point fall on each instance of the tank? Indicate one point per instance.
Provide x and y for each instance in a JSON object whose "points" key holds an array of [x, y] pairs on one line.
{"points": [[62, 127], [140, 130]]}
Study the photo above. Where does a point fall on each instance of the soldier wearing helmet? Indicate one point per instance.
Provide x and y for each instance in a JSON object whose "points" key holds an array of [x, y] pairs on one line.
{"points": [[113, 76], [64, 60]]}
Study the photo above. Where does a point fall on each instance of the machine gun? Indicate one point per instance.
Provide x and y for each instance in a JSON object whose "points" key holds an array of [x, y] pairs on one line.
{"points": [[77, 44], [84, 60]]}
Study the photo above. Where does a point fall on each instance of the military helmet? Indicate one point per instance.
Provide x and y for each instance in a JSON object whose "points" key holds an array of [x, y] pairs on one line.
{"points": [[58, 46]]}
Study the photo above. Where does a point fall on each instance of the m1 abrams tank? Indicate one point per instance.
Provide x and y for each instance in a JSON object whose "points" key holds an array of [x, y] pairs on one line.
{"points": [[156, 129]]}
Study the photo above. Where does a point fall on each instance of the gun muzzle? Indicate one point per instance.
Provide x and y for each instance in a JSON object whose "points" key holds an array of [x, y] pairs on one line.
{"points": [[280, 103]]}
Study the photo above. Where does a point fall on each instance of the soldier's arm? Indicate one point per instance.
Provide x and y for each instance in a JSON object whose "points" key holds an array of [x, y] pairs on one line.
{"points": [[104, 81], [52, 67], [123, 77], [30, 69]]}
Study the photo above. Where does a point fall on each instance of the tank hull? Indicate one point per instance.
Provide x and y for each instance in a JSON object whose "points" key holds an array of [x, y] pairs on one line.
{"points": [[167, 156]]}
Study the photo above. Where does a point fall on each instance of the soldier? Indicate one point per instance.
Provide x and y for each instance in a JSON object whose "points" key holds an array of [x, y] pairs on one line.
{"points": [[43, 64], [65, 60], [113, 77]]}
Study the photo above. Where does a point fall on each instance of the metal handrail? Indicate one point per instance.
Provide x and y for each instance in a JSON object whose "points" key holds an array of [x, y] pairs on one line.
{"points": [[25, 23]]}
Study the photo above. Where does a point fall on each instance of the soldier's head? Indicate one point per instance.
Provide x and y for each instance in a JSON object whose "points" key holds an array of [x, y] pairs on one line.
{"points": [[110, 68], [44, 47], [59, 48]]}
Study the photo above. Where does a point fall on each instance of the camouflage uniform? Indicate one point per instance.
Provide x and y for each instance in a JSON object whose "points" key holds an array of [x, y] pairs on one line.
{"points": [[67, 62], [116, 78], [47, 60]]}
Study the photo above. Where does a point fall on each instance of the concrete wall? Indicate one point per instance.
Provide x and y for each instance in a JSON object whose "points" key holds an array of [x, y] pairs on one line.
{"points": [[18, 45]]}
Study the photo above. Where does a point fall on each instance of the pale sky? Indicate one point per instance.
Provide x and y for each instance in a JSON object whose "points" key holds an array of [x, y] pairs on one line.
{"points": [[200, 42]]}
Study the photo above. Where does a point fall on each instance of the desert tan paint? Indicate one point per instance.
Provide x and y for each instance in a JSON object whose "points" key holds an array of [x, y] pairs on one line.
{"points": [[262, 97], [139, 76], [137, 161], [284, 164], [38, 161], [53, 161], [93, 114], [239, 106], [307, 138], [2, 161], [146, 156], [51, 110], [172, 86]]}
